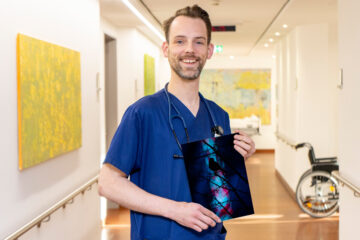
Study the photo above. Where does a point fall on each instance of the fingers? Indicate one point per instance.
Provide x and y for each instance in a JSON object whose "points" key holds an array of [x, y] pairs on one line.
{"points": [[195, 216], [244, 144], [201, 225], [205, 218], [211, 215], [196, 228], [241, 136], [240, 150]]}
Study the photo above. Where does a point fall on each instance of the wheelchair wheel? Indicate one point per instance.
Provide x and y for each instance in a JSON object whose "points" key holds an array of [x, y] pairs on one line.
{"points": [[305, 174], [317, 194]]}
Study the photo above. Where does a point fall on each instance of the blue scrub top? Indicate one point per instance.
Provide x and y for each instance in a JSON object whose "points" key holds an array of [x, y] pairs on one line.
{"points": [[143, 147]]}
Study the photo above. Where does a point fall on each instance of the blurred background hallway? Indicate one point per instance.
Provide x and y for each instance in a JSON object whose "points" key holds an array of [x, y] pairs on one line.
{"points": [[293, 78]]}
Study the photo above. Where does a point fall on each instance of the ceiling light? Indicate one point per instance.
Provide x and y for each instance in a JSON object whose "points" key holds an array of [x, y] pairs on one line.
{"points": [[144, 20], [273, 56], [285, 26], [232, 57], [266, 45], [271, 39], [277, 34]]}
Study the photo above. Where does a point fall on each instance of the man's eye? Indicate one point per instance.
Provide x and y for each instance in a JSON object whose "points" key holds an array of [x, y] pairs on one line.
{"points": [[179, 41], [199, 42]]}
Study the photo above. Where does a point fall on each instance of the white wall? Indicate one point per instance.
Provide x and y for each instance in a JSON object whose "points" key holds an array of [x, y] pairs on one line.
{"points": [[307, 97], [349, 115], [267, 138], [26, 194], [287, 101], [164, 72]]}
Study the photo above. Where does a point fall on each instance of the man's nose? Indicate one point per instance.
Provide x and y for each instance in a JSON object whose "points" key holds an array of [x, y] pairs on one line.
{"points": [[189, 47]]}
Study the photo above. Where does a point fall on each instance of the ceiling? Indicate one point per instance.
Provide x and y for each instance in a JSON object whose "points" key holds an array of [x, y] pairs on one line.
{"points": [[256, 20]]}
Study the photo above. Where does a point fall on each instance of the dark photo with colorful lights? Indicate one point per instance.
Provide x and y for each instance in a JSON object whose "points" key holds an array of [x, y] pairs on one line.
{"points": [[217, 177]]}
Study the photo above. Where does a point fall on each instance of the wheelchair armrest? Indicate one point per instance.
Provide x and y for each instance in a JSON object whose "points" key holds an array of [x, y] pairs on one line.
{"points": [[326, 160]]}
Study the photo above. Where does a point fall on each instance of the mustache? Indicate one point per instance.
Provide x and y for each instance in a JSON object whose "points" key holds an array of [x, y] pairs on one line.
{"points": [[189, 56]]}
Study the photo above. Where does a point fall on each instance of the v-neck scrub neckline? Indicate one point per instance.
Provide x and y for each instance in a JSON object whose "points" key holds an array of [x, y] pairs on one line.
{"points": [[180, 104]]}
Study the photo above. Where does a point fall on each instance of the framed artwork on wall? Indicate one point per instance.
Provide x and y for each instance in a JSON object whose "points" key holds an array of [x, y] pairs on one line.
{"points": [[243, 93], [49, 100], [149, 75]]}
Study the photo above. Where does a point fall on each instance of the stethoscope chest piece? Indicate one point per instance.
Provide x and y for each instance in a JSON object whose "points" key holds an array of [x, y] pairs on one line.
{"points": [[217, 131]]}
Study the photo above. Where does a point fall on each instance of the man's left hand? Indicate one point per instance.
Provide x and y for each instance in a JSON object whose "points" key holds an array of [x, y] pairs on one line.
{"points": [[244, 144]]}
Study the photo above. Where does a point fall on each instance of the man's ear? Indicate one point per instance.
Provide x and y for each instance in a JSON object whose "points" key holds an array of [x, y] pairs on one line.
{"points": [[210, 50], [165, 47]]}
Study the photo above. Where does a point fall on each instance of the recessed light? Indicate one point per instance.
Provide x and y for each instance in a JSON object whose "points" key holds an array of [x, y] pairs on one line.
{"points": [[285, 26], [273, 56], [232, 57], [277, 34], [143, 19], [266, 45], [271, 39]]}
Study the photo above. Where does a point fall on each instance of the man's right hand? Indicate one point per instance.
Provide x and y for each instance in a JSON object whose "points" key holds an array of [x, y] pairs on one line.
{"points": [[193, 215], [114, 185]]}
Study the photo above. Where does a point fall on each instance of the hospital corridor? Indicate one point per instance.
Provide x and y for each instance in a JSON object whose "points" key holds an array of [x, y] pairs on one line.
{"points": [[243, 112]]}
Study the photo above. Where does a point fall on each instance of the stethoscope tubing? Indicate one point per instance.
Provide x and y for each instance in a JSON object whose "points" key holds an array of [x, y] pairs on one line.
{"points": [[178, 115]]}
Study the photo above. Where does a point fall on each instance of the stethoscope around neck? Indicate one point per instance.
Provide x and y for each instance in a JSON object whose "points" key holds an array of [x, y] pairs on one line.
{"points": [[216, 130]]}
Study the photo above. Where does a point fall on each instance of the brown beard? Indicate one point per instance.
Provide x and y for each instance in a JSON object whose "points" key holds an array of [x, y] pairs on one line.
{"points": [[176, 67]]}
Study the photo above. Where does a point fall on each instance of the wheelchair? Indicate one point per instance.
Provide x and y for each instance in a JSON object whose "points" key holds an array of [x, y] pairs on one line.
{"points": [[317, 192]]}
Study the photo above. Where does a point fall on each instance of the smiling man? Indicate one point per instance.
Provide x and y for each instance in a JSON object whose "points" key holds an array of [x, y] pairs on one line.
{"points": [[186, 58], [147, 144]]}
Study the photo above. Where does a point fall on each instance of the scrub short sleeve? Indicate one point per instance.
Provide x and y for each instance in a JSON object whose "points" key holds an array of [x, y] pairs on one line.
{"points": [[123, 151]]}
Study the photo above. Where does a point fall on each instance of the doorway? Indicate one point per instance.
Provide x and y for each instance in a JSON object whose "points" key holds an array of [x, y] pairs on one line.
{"points": [[110, 96]]}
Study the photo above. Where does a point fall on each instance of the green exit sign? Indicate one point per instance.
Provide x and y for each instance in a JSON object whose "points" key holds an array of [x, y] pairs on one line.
{"points": [[218, 48]]}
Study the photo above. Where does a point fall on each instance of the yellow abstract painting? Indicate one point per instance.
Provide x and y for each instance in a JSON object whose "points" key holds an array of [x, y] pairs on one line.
{"points": [[49, 100], [149, 75], [240, 92]]}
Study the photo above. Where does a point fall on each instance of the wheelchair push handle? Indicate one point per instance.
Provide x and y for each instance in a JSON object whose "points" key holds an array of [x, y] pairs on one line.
{"points": [[304, 144], [311, 154]]}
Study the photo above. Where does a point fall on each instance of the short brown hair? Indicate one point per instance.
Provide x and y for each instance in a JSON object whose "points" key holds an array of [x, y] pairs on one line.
{"points": [[194, 12]]}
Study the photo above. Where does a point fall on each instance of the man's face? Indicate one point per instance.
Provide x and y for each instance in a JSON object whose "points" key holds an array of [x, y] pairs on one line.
{"points": [[187, 48]]}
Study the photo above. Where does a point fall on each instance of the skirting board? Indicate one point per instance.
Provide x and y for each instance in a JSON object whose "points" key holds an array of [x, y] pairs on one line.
{"points": [[286, 185]]}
